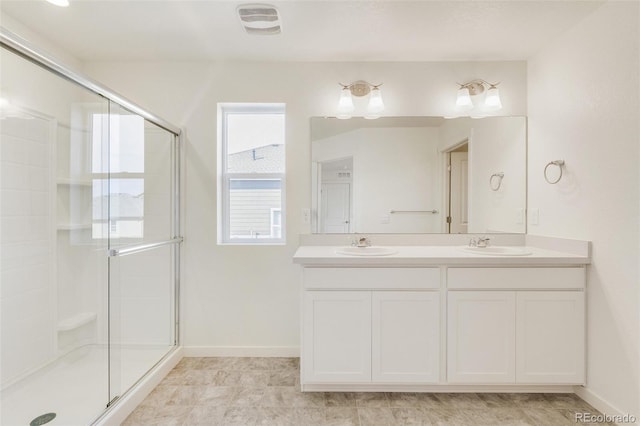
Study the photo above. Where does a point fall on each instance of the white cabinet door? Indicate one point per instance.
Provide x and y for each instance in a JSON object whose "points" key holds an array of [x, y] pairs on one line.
{"points": [[337, 337], [405, 336], [481, 337], [550, 337]]}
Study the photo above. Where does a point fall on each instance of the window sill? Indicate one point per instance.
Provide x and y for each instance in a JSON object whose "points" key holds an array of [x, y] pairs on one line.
{"points": [[256, 244]]}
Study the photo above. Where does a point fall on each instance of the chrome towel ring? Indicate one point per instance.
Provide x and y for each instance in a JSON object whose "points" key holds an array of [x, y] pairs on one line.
{"points": [[495, 181], [558, 163]]}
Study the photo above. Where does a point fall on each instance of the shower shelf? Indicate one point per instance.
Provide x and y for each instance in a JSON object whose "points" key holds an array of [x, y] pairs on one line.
{"points": [[73, 226], [76, 321], [73, 182]]}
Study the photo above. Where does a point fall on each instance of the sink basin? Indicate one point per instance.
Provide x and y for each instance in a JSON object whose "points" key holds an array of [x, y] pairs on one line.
{"points": [[366, 251], [496, 251]]}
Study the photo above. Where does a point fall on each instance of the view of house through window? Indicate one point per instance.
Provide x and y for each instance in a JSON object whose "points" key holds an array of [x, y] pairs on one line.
{"points": [[252, 178]]}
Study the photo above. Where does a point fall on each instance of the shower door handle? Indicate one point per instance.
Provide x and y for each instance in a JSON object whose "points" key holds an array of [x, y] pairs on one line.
{"points": [[142, 247]]}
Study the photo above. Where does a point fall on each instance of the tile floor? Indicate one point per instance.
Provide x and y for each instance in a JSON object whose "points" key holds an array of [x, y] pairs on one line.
{"points": [[265, 391]]}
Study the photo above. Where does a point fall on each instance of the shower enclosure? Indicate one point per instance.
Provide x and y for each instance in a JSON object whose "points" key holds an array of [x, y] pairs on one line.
{"points": [[89, 242]]}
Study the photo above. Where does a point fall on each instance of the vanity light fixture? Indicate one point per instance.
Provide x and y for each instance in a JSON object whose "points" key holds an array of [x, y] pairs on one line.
{"points": [[359, 89], [61, 3], [476, 87]]}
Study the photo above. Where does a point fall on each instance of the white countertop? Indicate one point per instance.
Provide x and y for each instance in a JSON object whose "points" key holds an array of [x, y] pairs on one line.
{"points": [[434, 255]]}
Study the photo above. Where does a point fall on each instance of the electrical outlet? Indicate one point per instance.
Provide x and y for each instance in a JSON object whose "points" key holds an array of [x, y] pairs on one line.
{"points": [[306, 216], [534, 216], [385, 219], [519, 216]]}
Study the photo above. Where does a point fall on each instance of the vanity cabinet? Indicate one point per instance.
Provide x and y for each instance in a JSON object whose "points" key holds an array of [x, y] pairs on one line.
{"points": [[387, 330], [522, 336], [455, 323]]}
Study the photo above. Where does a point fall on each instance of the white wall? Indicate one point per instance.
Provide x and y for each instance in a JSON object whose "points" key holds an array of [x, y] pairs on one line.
{"points": [[32, 36], [394, 168], [248, 296], [584, 108]]}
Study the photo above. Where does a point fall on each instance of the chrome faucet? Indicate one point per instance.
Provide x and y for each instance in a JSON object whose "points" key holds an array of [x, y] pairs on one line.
{"points": [[483, 242], [361, 242], [473, 242]]}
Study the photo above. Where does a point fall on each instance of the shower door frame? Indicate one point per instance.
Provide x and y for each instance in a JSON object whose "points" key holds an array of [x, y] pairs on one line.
{"points": [[32, 53]]}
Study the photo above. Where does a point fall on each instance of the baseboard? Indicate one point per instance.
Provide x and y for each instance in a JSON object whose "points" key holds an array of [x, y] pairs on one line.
{"points": [[242, 351], [129, 401], [435, 388], [602, 405]]}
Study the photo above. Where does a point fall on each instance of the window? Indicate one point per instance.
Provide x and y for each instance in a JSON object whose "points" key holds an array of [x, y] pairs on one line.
{"points": [[118, 155], [252, 172]]}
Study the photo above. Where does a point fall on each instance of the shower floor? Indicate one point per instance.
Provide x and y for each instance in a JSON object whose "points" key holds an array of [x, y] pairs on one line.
{"points": [[75, 386]]}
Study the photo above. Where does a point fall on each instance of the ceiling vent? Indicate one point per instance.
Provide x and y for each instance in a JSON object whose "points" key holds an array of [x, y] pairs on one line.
{"points": [[260, 19]]}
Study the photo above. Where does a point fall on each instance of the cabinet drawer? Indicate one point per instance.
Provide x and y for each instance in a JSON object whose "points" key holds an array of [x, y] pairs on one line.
{"points": [[371, 278], [516, 278]]}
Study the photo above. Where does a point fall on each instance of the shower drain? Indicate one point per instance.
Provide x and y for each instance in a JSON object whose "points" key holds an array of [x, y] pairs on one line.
{"points": [[43, 419]]}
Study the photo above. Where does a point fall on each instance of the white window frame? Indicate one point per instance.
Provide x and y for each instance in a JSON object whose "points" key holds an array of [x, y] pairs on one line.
{"points": [[272, 225], [224, 177]]}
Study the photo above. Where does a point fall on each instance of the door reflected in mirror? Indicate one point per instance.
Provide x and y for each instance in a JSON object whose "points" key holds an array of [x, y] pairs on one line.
{"points": [[418, 175], [335, 196], [458, 189]]}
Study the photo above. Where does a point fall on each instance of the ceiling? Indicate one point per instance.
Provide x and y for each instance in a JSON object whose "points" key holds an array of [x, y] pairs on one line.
{"points": [[204, 30]]}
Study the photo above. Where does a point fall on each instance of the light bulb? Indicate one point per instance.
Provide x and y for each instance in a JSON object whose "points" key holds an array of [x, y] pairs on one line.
{"points": [[345, 104], [463, 101], [492, 101]]}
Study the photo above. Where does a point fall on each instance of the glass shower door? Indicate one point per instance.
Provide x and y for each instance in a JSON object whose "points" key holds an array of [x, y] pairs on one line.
{"points": [[142, 250], [88, 257]]}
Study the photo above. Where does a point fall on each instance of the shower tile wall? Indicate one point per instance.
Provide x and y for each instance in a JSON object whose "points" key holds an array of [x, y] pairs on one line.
{"points": [[27, 245]]}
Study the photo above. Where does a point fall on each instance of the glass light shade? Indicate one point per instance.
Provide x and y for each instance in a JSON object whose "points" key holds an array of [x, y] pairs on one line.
{"points": [[492, 101], [61, 3], [463, 101], [345, 104], [375, 102]]}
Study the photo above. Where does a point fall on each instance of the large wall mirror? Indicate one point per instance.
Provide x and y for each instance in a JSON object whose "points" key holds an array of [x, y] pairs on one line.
{"points": [[418, 175]]}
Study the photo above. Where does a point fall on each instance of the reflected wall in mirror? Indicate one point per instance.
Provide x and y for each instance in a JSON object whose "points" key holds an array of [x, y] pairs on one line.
{"points": [[418, 175]]}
